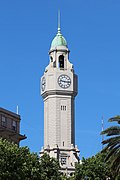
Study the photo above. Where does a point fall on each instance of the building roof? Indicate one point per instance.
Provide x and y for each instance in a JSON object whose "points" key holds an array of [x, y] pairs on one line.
{"points": [[2, 110], [58, 40]]}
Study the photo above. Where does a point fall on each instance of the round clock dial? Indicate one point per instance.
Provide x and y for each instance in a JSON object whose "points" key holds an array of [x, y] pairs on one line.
{"points": [[43, 83], [64, 81]]}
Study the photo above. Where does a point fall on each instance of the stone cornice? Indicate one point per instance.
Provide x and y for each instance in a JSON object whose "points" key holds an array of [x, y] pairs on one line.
{"points": [[59, 92]]}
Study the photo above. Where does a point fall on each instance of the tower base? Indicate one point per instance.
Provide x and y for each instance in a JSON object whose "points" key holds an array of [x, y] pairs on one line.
{"points": [[67, 157]]}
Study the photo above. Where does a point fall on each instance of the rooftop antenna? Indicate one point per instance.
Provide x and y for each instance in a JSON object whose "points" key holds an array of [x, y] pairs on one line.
{"points": [[102, 130], [17, 109]]}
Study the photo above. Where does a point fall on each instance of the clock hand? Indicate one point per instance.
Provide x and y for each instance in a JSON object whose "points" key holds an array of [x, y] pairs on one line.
{"points": [[65, 81]]}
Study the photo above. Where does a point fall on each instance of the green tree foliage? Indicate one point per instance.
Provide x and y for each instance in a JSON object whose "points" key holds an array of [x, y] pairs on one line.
{"points": [[17, 163], [113, 145], [93, 168], [49, 168]]}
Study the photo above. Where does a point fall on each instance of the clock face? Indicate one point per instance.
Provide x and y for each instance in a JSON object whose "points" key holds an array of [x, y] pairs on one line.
{"points": [[43, 83], [64, 81]]}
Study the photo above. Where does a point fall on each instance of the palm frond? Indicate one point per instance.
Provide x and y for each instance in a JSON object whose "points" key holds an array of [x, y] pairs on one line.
{"points": [[113, 130], [116, 118], [112, 140], [113, 145], [112, 152], [115, 161]]}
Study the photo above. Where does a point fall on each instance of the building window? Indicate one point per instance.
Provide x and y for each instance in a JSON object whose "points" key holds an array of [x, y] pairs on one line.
{"points": [[4, 121], [63, 108], [51, 59], [61, 62], [63, 160], [14, 125]]}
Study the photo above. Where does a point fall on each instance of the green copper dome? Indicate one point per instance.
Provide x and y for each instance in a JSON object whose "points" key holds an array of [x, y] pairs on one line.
{"points": [[59, 40]]}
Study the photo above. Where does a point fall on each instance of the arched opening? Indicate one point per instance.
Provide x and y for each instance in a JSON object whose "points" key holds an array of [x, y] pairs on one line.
{"points": [[51, 58], [71, 174], [61, 61]]}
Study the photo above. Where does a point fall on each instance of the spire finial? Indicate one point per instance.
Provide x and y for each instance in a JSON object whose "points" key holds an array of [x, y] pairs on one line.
{"points": [[58, 21], [58, 18]]}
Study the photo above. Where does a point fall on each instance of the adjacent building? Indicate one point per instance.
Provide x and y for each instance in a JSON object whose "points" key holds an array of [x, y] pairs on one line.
{"points": [[59, 86], [10, 126]]}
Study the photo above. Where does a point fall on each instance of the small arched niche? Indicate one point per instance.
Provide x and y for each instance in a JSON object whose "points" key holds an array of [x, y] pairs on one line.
{"points": [[61, 62], [51, 58]]}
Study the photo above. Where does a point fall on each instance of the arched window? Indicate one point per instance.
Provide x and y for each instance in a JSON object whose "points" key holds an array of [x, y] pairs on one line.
{"points": [[71, 174], [51, 58], [61, 61]]}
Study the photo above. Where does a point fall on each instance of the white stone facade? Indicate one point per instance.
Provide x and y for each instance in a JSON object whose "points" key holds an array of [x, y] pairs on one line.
{"points": [[58, 89]]}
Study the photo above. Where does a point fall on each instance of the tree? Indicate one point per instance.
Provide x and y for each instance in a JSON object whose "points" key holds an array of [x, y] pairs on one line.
{"points": [[49, 168], [113, 145], [17, 163], [93, 168]]}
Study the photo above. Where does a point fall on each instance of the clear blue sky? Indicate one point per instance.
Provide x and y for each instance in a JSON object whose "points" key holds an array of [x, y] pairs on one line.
{"points": [[92, 31]]}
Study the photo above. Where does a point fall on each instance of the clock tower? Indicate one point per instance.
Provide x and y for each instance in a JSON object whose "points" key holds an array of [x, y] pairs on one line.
{"points": [[59, 86]]}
